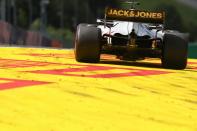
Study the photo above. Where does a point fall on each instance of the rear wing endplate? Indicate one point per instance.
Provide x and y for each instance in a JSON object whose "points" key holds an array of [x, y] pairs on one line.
{"points": [[135, 15]]}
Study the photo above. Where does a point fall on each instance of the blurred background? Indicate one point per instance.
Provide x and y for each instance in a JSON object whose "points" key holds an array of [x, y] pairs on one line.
{"points": [[52, 23]]}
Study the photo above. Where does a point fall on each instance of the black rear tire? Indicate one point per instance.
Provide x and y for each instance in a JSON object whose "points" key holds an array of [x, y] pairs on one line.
{"points": [[175, 49], [87, 43]]}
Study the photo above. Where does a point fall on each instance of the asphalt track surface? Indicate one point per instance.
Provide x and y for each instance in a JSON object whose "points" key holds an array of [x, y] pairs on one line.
{"points": [[47, 90]]}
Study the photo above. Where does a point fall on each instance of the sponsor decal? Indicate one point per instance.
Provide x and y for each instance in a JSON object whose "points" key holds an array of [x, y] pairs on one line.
{"points": [[74, 70], [93, 71], [134, 13], [192, 65], [14, 83], [67, 56], [51, 55], [11, 63]]}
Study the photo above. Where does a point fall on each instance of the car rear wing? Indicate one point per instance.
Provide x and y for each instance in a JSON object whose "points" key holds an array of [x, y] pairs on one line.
{"points": [[135, 15]]}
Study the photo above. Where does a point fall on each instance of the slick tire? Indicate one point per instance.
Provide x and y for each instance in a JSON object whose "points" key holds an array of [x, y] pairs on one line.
{"points": [[175, 49], [87, 43]]}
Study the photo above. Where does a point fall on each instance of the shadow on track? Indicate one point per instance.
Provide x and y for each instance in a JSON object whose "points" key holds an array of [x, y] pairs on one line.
{"points": [[132, 63]]}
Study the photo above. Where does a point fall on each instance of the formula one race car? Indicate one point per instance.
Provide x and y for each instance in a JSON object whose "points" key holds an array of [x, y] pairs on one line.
{"points": [[133, 35]]}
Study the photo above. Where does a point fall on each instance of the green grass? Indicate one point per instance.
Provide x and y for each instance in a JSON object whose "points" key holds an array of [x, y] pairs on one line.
{"points": [[192, 50], [188, 14]]}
